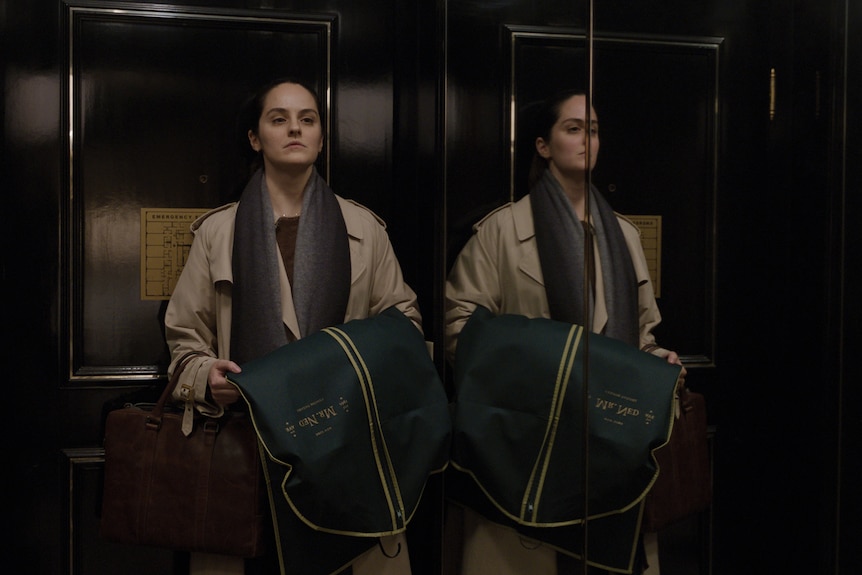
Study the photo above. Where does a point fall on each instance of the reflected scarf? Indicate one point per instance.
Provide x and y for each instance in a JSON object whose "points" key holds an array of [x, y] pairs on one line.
{"points": [[321, 277], [560, 240]]}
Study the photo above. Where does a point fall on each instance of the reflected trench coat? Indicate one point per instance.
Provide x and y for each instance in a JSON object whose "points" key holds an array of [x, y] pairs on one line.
{"points": [[499, 268]]}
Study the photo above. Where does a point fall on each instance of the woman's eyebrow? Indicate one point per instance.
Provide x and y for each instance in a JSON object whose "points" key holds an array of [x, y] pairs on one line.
{"points": [[593, 122], [284, 111]]}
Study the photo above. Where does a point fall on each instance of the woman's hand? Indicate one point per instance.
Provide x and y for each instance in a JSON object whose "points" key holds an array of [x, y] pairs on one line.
{"points": [[673, 358], [223, 393]]}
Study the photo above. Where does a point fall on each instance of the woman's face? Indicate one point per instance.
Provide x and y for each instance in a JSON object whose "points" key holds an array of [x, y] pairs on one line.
{"points": [[566, 148], [289, 134]]}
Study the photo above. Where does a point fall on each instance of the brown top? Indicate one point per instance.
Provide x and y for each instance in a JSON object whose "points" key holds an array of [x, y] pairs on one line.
{"points": [[285, 235]]}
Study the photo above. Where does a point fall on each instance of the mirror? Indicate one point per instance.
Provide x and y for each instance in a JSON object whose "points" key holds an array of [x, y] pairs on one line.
{"points": [[657, 166]]}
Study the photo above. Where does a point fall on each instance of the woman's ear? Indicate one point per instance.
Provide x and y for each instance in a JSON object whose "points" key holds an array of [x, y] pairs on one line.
{"points": [[254, 141], [542, 148]]}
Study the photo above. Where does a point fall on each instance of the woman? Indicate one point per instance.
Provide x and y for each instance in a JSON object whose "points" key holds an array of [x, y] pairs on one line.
{"points": [[287, 260], [528, 258]]}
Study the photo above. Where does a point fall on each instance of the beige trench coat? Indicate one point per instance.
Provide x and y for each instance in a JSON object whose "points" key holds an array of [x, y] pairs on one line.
{"points": [[499, 269], [198, 318]]}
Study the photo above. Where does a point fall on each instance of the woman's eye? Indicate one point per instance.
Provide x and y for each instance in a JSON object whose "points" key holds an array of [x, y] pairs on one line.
{"points": [[309, 121], [278, 120]]}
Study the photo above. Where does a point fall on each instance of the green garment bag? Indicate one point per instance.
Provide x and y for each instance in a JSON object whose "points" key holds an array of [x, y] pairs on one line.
{"points": [[520, 456], [351, 421]]}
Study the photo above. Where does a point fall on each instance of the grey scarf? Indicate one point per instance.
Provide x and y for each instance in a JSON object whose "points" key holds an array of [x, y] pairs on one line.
{"points": [[321, 276], [560, 240]]}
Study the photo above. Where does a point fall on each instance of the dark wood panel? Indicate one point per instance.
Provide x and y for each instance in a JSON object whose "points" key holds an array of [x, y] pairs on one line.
{"points": [[153, 98], [86, 551], [848, 312]]}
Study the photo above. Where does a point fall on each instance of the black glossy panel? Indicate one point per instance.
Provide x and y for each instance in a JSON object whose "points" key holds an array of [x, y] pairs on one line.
{"points": [[154, 98], [86, 551]]}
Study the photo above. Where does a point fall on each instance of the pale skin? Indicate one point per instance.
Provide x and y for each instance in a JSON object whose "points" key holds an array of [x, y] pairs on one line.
{"points": [[289, 137], [574, 137]]}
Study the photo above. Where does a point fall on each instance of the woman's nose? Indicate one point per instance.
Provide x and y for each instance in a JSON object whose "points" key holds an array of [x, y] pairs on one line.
{"points": [[294, 127]]}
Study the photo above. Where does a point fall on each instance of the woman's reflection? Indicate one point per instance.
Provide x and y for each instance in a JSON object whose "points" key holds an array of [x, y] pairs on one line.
{"points": [[529, 258]]}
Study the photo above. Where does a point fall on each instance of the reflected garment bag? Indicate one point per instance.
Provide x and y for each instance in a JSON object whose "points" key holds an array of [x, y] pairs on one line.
{"points": [[518, 445], [351, 420]]}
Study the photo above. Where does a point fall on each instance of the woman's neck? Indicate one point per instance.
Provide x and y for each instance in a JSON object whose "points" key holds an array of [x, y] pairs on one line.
{"points": [[575, 189], [286, 189]]}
